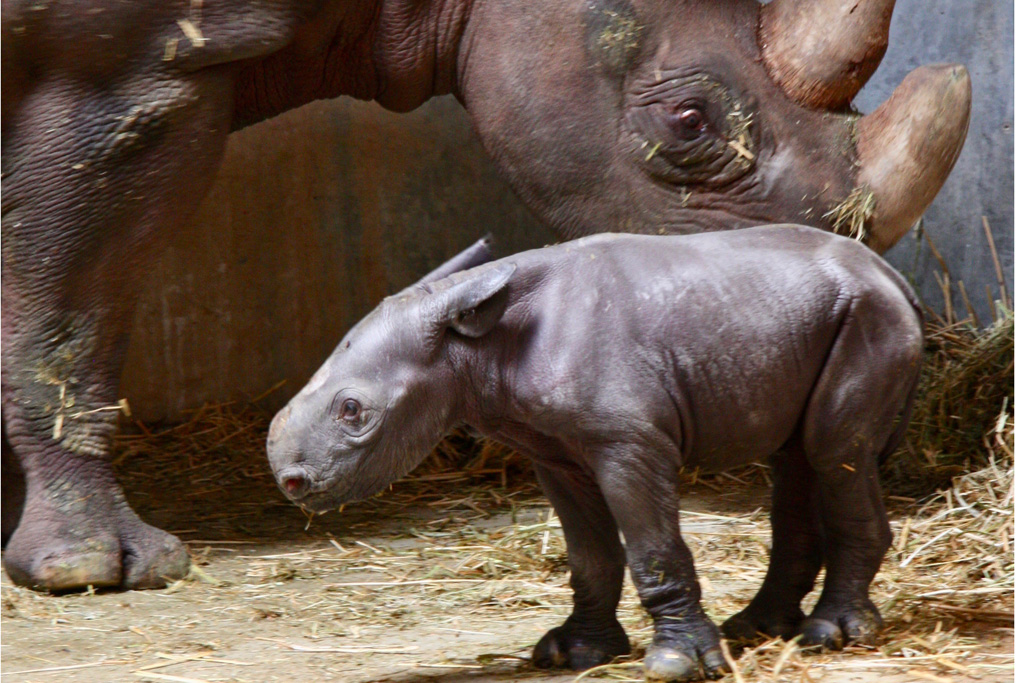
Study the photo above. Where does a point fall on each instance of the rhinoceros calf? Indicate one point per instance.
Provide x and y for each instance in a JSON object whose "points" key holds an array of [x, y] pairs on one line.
{"points": [[612, 362]]}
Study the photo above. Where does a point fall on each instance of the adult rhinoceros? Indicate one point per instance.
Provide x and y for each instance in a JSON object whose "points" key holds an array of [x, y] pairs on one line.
{"points": [[641, 116]]}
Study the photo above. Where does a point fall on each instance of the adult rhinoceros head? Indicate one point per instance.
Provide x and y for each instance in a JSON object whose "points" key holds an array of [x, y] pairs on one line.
{"points": [[693, 115]]}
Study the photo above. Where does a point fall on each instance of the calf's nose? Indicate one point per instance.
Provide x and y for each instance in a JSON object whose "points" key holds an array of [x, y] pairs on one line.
{"points": [[294, 482], [277, 424]]}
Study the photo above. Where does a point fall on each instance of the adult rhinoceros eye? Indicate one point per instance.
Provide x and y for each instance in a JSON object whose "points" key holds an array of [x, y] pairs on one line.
{"points": [[691, 123]]}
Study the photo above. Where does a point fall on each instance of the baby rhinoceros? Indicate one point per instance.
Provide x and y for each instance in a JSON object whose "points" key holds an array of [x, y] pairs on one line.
{"points": [[612, 362]]}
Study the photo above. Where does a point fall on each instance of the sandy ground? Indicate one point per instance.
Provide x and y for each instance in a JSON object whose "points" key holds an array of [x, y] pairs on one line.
{"points": [[449, 577]]}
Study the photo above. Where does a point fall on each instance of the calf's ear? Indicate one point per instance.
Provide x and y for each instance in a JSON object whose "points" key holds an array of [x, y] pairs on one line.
{"points": [[475, 305], [474, 255]]}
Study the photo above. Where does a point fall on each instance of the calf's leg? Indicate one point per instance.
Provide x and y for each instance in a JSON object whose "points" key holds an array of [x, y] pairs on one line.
{"points": [[857, 537], [591, 635], [639, 482], [851, 420], [796, 555]]}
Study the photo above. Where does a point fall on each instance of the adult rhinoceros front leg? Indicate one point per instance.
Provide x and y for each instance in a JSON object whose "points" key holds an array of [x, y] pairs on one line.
{"points": [[93, 176]]}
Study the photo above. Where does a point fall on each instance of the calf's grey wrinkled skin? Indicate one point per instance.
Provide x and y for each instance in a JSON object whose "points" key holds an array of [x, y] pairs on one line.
{"points": [[621, 115], [612, 362]]}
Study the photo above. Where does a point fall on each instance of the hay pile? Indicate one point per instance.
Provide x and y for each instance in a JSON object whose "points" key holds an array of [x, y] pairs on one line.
{"points": [[965, 535], [963, 415]]}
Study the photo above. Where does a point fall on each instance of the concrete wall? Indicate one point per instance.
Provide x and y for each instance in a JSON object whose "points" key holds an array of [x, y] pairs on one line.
{"points": [[979, 34], [318, 214]]}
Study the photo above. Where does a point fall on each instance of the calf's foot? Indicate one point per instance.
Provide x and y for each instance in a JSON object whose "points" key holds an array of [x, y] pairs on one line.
{"points": [[71, 537], [686, 655], [576, 646], [760, 621], [831, 628]]}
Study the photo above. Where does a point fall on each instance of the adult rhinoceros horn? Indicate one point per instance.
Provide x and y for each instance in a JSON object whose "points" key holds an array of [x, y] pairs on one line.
{"points": [[908, 146], [821, 52]]}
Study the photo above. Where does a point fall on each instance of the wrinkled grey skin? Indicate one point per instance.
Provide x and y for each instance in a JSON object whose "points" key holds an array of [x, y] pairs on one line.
{"points": [[612, 362]]}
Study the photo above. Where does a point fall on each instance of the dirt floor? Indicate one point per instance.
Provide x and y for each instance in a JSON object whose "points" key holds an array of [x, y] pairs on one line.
{"points": [[451, 577]]}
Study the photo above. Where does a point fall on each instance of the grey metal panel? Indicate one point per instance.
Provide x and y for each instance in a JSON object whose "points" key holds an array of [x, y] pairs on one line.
{"points": [[979, 34]]}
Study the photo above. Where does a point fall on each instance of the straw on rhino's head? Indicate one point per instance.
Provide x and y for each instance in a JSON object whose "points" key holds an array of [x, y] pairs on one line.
{"points": [[688, 116]]}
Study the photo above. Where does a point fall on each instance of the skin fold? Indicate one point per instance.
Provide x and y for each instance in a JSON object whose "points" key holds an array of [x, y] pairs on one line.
{"points": [[650, 116], [612, 362]]}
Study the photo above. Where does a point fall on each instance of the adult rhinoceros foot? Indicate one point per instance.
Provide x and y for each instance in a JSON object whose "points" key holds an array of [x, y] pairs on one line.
{"points": [[72, 537], [576, 647]]}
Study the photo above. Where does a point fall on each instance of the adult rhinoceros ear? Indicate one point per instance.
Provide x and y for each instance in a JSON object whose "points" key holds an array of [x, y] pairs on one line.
{"points": [[475, 304]]}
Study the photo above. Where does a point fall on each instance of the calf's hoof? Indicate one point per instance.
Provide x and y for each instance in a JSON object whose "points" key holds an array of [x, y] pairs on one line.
{"points": [[670, 662], [101, 547], [577, 648], [754, 625], [821, 633], [667, 664], [853, 626]]}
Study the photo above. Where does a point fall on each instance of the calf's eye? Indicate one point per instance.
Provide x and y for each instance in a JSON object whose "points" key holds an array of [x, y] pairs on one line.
{"points": [[350, 409]]}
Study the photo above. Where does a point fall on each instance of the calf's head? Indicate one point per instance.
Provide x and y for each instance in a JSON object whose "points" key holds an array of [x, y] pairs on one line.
{"points": [[387, 394], [685, 116]]}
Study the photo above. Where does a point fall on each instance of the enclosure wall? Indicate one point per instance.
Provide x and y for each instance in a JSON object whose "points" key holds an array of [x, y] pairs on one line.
{"points": [[314, 217]]}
